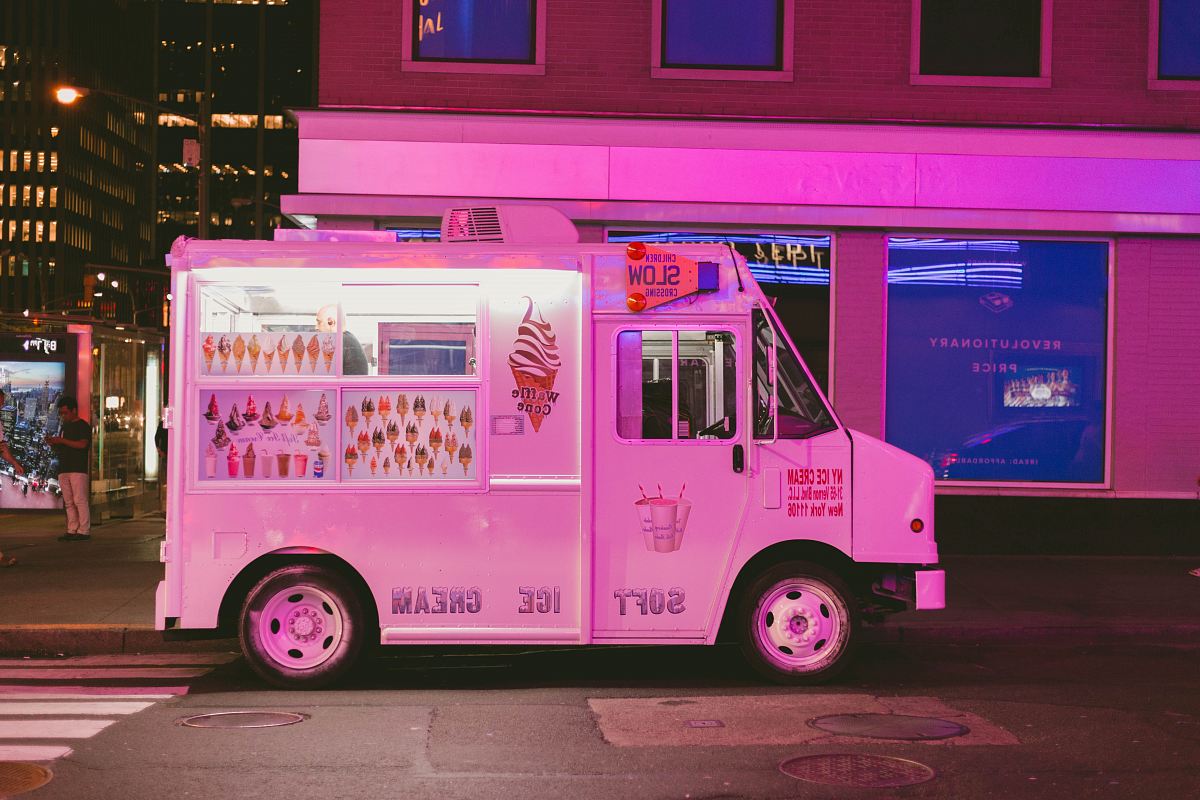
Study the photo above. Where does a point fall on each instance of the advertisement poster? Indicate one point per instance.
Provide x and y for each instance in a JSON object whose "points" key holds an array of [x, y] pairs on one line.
{"points": [[997, 357], [266, 434], [416, 434], [268, 353], [34, 372]]}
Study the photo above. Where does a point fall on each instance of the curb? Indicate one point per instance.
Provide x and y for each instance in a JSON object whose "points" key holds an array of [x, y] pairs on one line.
{"points": [[79, 640], [87, 640], [1075, 635]]}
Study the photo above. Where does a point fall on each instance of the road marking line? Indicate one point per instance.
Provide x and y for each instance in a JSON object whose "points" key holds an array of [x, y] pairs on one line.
{"points": [[109, 673], [33, 752], [97, 709], [52, 728]]}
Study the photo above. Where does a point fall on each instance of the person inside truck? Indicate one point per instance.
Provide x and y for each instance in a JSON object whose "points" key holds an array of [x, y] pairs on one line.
{"points": [[354, 359]]}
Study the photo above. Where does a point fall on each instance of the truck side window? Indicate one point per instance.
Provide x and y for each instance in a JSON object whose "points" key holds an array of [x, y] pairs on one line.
{"points": [[801, 412], [676, 385]]}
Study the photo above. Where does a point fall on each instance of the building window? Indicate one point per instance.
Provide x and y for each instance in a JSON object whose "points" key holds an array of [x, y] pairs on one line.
{"points": [[981, 42], [53, 238], [716, 40], [1004, 343], [676, 385], [475, 36], [1174, 42]]}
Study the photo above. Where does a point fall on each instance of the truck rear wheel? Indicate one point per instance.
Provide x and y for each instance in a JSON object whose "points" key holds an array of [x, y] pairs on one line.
{"points": [[301, 627], [799, 623]]}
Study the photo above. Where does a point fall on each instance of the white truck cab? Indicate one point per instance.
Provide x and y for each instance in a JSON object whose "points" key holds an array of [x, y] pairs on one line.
{"points": [[515, 443]]}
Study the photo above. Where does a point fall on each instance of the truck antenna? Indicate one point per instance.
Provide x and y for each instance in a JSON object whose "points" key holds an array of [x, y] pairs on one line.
{"points": [[736, 271]]}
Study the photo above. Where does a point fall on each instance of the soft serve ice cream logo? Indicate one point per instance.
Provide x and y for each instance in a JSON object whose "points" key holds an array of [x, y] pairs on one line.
{"points": [[535, 363]]}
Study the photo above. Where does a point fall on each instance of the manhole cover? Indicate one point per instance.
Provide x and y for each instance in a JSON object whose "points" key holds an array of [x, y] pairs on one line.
{"points": [[18, 777], [854, 769], [704, 723], [889, 726], [242, 719]]}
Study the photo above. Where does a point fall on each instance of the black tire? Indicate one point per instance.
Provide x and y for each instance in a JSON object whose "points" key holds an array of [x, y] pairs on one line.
{"points": [[798, 624], [302, 627]]}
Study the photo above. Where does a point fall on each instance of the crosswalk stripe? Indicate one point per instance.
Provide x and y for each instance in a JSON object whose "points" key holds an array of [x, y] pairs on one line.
{"points": [[98, 708], [33, 752], [23, 694], [40, 673], [71, 692], [52, 728]]}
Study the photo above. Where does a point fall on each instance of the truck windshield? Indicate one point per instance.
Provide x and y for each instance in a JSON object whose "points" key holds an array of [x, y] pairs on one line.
{"points": [[801, 412]]}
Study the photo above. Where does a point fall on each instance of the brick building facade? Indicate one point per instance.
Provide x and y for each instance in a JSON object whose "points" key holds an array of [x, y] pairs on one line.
{"points": [[846, 137]]}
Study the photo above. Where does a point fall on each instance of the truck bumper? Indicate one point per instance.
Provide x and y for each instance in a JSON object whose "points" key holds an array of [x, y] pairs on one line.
{"points": [[931, 589]]}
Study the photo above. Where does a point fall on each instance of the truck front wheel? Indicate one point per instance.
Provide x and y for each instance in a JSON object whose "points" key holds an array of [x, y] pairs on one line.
{"points": [[799, 623], [301, 627]]}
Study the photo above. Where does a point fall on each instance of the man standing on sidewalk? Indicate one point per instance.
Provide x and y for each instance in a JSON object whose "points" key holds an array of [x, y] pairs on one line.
{"points": [[71, 447]]}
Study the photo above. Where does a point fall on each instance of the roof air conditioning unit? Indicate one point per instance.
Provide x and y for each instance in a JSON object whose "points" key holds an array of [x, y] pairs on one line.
{"points": [[508, 225]]}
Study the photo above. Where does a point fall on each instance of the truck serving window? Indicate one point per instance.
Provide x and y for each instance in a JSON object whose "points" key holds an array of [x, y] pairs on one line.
{"points": [[676, 385], [413, 330], [801, 412]]}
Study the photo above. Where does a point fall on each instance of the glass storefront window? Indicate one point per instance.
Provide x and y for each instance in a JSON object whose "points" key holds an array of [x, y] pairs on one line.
{"points": [[715, 34], [997, 357]]}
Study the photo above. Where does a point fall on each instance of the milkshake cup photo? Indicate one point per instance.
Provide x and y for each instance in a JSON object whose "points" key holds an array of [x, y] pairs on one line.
{"points": [[645, 522], [301, 464], [267, 461], [663, 514], [681, 519], [284, 461]]}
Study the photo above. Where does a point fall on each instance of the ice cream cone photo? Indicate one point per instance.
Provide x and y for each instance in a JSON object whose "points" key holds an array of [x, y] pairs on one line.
{"points": [[314, 350], [210, 352], [464, 457], [224, 348], [254, 350], [298, 352], [268, 352], [239, 351]]}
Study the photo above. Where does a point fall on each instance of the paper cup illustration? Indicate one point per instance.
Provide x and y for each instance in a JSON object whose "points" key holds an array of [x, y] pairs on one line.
{"points": [[663, 514], [681, 519], [645, 522]]}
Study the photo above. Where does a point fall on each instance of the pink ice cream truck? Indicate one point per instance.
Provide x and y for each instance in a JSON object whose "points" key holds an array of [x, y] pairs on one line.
{"points": [[516, 442]]}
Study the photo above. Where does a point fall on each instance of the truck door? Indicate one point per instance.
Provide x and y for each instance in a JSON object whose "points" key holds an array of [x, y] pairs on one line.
{"points": [[670, 437]]}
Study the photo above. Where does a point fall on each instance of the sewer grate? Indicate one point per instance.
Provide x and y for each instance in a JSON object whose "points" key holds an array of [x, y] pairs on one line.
{"points": [[704, 723], [889, 726], [243, 719], [855, 769], [18, 777]]}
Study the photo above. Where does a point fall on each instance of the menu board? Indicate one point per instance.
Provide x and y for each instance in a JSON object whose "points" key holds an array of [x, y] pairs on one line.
{"points": [[416, 434], [268, 353], [265, 434]]}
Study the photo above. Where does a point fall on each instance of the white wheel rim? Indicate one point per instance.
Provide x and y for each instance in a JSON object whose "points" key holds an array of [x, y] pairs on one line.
{"points": [[800, 625], [300, 627]]}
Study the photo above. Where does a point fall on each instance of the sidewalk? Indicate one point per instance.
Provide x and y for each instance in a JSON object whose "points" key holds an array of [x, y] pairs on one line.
{"points": [[98, 596]]}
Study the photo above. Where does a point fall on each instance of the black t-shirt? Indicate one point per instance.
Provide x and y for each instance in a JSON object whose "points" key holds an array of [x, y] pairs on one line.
{"points": [[71, 459], [354, 358]]}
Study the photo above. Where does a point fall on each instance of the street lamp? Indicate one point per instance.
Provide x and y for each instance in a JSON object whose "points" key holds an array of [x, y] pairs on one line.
{"points": [[68, 95]]}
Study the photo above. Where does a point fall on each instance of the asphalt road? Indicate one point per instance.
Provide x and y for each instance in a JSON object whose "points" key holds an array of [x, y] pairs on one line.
{"points": [[1062, 723]]}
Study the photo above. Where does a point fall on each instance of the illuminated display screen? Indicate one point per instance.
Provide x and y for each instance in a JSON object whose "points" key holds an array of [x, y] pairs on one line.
{"points": [[494, 31], [1004, 344]]}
